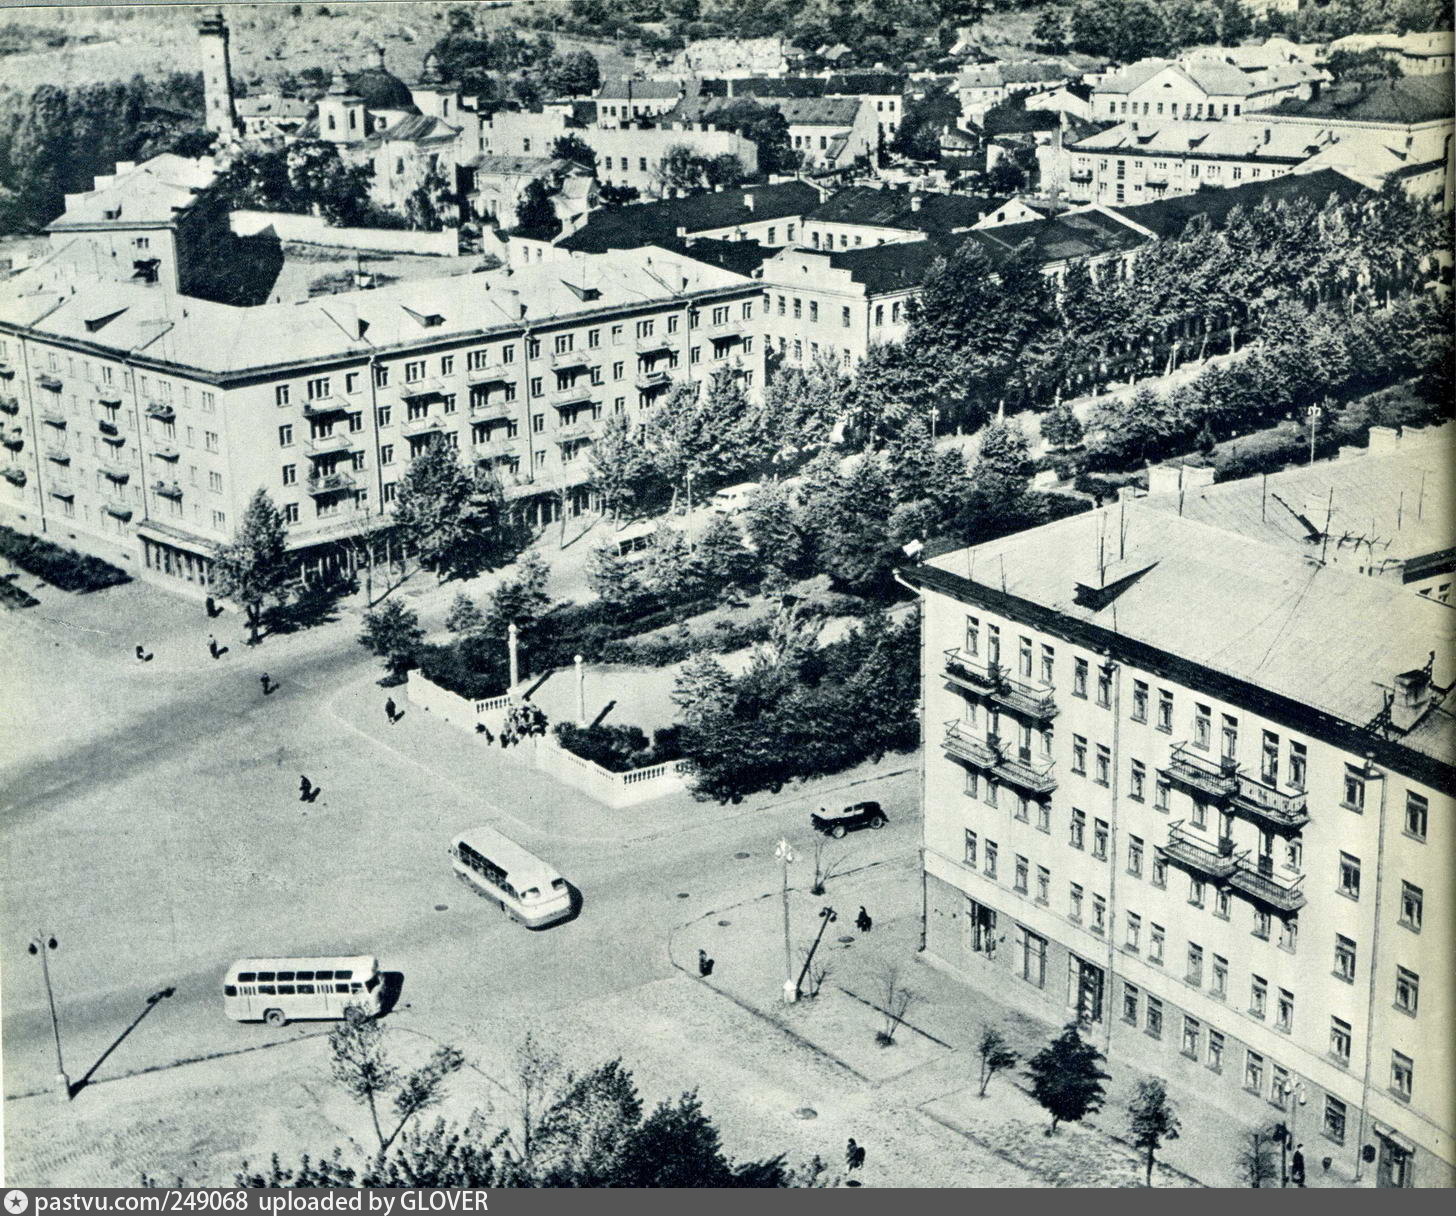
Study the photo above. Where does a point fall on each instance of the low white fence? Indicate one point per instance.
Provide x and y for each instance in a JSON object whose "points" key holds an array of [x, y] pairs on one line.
{"points": [[544, 754], [315, 230]]}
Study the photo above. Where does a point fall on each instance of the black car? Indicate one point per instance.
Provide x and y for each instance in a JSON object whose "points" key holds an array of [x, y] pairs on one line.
{"points": [[850, 819]]}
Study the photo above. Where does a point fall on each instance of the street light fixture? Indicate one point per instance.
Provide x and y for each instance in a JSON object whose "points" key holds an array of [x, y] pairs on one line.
{"points": [[41, 946], [785, 853]]}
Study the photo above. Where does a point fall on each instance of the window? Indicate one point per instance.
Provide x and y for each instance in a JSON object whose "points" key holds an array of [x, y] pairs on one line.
{"points": [[1344, 958], [1079, 678], [386, 453], [1407, 990], [209, 440], [1135, 856], [1222, 901], [1130, 996], [1137, 781], [1075, 911], [1215, 1049], [1100, 834], [280, 395], [1023, 874], [1102, 774], [1021, 808], [318, 387], [1202, 726], [1340, 1040], [1200, 813], [1349, 876], [1134, 931], [1160, 871], [1156, 939], [1284, 1013], [1298, 764], [1031, 952], [290, 513], [1043, 885], [1230, 737], [1079, 755], [1023, 658], [973, 635], [1165, 711], [1269, 758], [285, 436], [971, 849], [1412, 899], [1044, 817], [1416, 814], [1104, 686], [290, 474], [1099, 914], [1155, 1017], [1195, 965], [1218, 977], [1048, 663], [1262, 924], [1195, 892], [844, 318], [1334, 1119], [1254, 1072], [990, 859], [383, 414], [1402, 1075], [1078, 838], [1160, 795], [214, 482], [1139, 701], [1354, 789], [1258, 996], [356, 420], [1192, 1037], [414, 370]]}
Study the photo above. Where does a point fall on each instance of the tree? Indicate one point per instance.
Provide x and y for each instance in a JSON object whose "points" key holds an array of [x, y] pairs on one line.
{"points": [[896, 1000], [721, 555], [773, 526], [1060, 427], [428, 205], [1152, 1120], [680, 169], [621, 468], [522, 601], [925, 119], [1256, 1160], [995, 1056], [454, 518], [1003, 468], [361, 1066], [1050, 31], [253, 569], [855, 546], [534, 213], [614, 581], [725, 170], [1370, 66], [574, 74], [464, 616], [669, 574], [393, 632], [765, 126], [1066, 1077], [572, 147]]}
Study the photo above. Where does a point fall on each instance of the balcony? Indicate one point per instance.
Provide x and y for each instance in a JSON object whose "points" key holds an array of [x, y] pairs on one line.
{"points": [[423, 425], [1081, 176], [331, 444], [1025, 697], [576, 396], [6, 371], [161, 411], [167, 453], [107, 427], [111, 400], [59, 487], [167, 489], [491, 408], [575, 432], [1208, 780], [330, 483], [9, 404], [423, 388], [725, 339], [325, 407], [1270, 807], [117, 473], [14, 475], [114, 440], [118, 509], [1188, 853], [53, 418], [1157, 183], [492, 373], [58, 455], [15, 441], [990, 756], [570, 358], [651, 382], [654, 343], [49, 383], [1258, 882]]}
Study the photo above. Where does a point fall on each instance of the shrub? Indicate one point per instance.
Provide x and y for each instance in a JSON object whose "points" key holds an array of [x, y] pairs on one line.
{"points": [[618, 749], [475, 668], [15, 597], [663, 650], [63, 568]]}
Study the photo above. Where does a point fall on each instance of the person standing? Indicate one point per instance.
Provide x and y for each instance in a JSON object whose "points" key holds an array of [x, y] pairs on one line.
{"points": [[854, 1155], [705, 964], [391, 710], [1296, 1166], [862, 922], [212, 647], [266, 683], [305, 789]]}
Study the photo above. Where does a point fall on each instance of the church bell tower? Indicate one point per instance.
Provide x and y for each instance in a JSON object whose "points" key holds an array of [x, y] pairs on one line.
{"points": [[217, 81]]}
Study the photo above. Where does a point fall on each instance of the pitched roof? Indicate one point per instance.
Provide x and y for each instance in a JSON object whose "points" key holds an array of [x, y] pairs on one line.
{"points": [[1405, 102], [896, 266], [1076, 234], [873, 84], [153, 192], [640, 224], [897, 209], [1277, 142], [1219, 79], [413, 129], [272, 104], [536, 166], [1274, 621], [619, 88], [776, 86], [994, 75], [1168, 217], [797, 111]]}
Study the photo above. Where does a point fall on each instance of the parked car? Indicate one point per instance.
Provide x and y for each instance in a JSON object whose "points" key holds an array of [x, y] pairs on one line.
{"points": [[850, 819], [732, 499]]}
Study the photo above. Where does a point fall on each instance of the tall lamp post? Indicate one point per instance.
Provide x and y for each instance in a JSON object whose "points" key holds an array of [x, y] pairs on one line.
{"points": [[1288, 1142], [1313, 413], [785, 853], [41, 946], [934, 418]]}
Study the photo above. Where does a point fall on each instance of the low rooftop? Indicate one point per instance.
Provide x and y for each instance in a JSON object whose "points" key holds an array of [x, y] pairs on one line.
{"points": [[641, 224], [916, 211], [1404, 102], [154, 192], [1168, 217], [1279, 143]]}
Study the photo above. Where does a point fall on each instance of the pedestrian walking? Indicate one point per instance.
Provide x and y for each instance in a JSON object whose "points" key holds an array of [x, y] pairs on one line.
{"points": [[143, 654], [862, 922], [1296, 1166], [854, 1155], [213, 648], [705, 964], [390, 710], [211, 607], [266, 683], [305, 789]]}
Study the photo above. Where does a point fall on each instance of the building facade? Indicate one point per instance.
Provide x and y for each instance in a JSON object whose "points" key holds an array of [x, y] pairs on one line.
{"points": [[138, 425], [1199, 89], [1216, 839]]}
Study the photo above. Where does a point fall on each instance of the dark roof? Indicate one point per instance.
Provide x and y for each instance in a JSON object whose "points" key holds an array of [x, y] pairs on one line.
{"points": [[413, 128], [898, 266], [861, 83], [1078, 234], [896, 209], [777, 86], [381, 90], [618, 88], [741, 257], [655, 223], [1018, 120], [1168, 217], [810, 111], [1411, 99]]}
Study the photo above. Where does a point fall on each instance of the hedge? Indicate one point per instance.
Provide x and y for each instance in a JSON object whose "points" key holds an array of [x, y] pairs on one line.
{"points": [[63, 568], [464, 669], [663, 650], [619, 749]]}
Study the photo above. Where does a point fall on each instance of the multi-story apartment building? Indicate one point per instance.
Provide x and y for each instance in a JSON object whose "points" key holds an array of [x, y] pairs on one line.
{"points": [[625, 99], [137, 423], [1195, 791], [1199, 89], [828, 132], [1416, 53]]}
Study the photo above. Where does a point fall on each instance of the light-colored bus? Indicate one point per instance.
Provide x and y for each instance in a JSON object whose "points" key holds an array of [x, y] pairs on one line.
{"points": [[282, 990], [636, 541], [732, 499], [525, 887]]}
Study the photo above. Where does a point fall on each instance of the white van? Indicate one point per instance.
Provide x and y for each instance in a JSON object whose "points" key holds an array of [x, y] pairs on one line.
{"points": [[636, 541], [732, 499], [525, 887], [282, 990]]}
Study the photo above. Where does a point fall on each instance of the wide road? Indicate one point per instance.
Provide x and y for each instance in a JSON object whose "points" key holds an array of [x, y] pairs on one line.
{"points": [[167, 838]]}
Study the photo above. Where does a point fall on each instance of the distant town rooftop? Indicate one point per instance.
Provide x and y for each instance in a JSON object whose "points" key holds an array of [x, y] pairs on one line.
{"points": [[640, 224], [152, 193]]}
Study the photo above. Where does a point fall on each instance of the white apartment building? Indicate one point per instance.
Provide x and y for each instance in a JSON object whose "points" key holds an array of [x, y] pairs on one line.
{"points": [[624, 99], [1199, 89], [1417, 53], [137, 424], [1195, 790]]}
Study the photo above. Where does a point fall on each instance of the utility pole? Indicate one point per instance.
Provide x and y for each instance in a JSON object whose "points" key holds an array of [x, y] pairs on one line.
{"points": [[41, 945], [785, 853]]}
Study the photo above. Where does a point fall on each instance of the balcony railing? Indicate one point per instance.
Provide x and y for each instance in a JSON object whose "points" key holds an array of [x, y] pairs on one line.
{"points": [[423, 388], [58, 455], [1274, 808], [1191, 854], [59, 487], [570, 358], [15, 441], [9, 404], [115, 441], [107, 427], [491, 407], [990, 755], [53, 418], [1080, 175], [330, 483], [166, 453], [167, 489], [161, 411], [1258, 881], [6, 371], [325, 407], [492, 373], [120, 474], [653, 342], [330, 444], [576, 395], [1215, 780], [421, 425], [50, 383], [650, 382], [118, 510], [991, 680], [14, 475], [574, 433]]}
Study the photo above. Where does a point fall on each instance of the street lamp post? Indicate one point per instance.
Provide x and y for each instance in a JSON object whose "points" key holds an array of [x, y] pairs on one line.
{"points": [[785, 853], [1288, 1142], [934, 418], [41, 946], [1313, 413]]}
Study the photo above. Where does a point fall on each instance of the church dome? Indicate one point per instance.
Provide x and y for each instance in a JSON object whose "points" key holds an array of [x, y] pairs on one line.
{"points": [[381, 89]]}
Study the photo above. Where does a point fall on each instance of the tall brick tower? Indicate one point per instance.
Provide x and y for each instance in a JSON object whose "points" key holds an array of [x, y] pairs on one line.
{"points": [[217, 81]]}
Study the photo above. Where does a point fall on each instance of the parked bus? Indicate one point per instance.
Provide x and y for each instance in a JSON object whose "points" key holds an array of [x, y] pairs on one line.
{"points": [[636, 540], [282, 990], [525, 887]]}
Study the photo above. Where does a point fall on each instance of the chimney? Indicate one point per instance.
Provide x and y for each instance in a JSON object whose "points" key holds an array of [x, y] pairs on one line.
{"points": [[748, 201], [915, 201], [1412, 698], [379, 56]]}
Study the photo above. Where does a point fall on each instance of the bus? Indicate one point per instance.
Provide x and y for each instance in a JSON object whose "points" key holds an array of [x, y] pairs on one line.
{"points": [[635, 541], [282, 990], [525, 887]]}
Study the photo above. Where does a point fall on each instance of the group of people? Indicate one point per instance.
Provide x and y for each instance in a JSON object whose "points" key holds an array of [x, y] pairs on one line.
{"points": [[522, 721]]}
